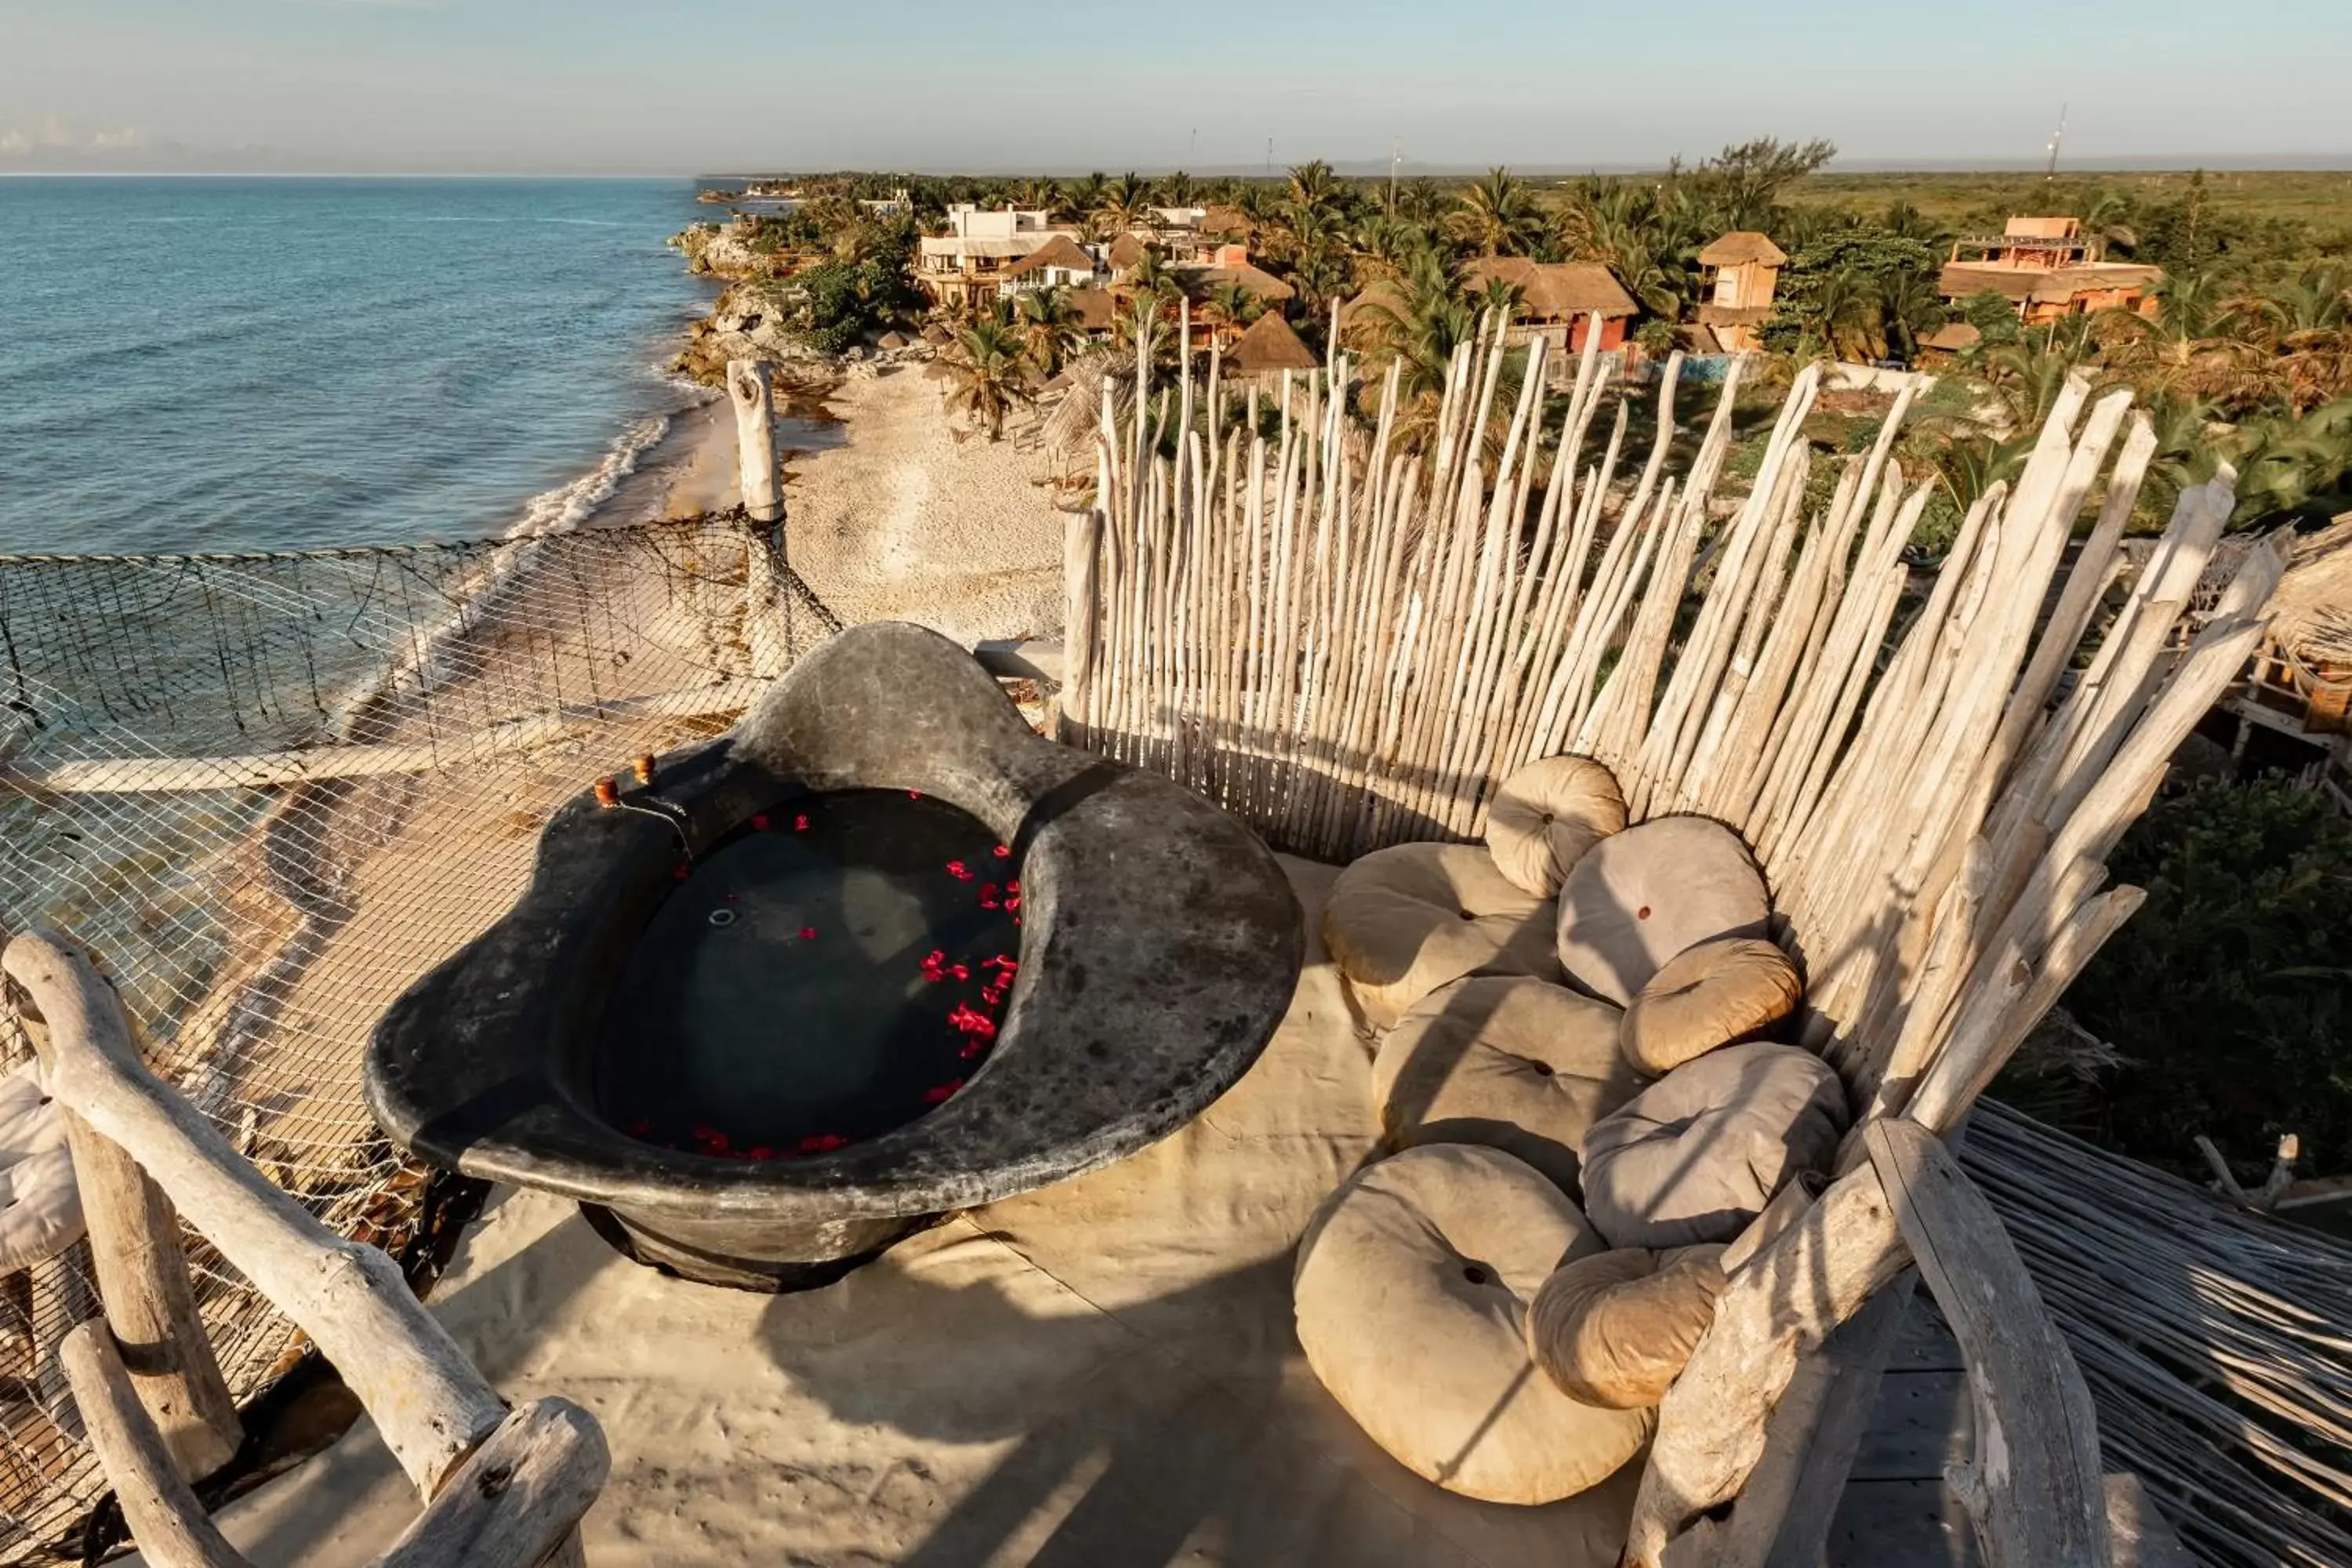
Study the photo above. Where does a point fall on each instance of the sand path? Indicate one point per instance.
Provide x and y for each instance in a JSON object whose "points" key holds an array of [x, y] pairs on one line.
{"points": [[890, 517]]}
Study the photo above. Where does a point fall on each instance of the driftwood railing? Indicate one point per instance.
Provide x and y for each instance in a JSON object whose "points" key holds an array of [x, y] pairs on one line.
{"points": [[500, 1487]]}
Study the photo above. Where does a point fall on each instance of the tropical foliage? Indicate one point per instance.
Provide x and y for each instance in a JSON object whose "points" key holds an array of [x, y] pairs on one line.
{"points": [[2230, 993]]}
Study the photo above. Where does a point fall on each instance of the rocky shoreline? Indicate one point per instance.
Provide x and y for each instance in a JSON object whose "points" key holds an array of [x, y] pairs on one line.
{"points": [[747, 321]]}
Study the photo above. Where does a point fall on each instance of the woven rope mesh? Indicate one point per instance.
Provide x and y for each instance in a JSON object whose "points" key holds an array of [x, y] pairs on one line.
{"points": [[271, 791]]}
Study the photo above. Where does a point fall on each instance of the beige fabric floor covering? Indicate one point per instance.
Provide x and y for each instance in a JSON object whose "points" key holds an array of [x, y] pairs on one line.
{"points": [[1101, 1372]]}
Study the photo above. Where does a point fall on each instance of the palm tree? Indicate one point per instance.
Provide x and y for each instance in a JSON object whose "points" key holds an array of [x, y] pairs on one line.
{"points": [[1179, 189], [1313, 184], [991, 374], [1418, 319], [1085, 196], [1232, 306], [1124, 201], [2107, 221], [1040, 195], [1048, 325], [1496, 215]]}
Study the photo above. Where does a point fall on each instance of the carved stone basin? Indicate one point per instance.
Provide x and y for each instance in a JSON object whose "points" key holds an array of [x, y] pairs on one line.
{"points": [[878, 953]]}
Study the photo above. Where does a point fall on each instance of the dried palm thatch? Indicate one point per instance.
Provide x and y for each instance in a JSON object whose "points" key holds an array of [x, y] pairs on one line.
{"points": [[2215, 1342], [2311, 612]]}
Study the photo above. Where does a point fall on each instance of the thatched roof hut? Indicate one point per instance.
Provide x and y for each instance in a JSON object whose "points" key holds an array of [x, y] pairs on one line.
{"points": [[1059, 251], [1256, 279], [1095, 309], [1742, 246], [1556, 291], [1127, 251], [1269, 347], [1223, 221]]}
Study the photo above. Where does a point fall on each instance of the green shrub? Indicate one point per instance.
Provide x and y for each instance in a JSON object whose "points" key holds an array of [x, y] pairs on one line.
{"points": [[2227, 992]]}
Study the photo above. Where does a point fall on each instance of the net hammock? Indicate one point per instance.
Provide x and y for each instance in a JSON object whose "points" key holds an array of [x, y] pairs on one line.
{"points": [[273, 790]]}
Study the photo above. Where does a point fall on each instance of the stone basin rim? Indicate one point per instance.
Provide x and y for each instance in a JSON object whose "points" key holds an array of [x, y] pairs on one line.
{"points": [[1160, 946]]}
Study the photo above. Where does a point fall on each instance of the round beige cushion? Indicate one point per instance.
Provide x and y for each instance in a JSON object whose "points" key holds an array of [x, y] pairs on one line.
{"points": [[1510, 1061], [1404, 921], [1697, 1155], [1709, 995], [1640, 897], [1545, 816], [1617, 1328], [1411, 1293], [40, 1204]]}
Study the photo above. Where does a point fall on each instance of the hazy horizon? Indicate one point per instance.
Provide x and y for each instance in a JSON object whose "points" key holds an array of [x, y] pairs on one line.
{"points": [[599, 86]]}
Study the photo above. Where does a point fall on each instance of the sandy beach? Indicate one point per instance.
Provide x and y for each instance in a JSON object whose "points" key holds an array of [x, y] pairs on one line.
{"points": [[894, 513]]}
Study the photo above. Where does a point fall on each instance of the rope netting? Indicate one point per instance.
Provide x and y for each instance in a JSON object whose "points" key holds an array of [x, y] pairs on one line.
{"points": [[270, 791]]}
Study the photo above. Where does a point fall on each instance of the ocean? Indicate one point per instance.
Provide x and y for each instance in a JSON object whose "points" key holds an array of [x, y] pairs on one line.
{"points": [[236, 364]]}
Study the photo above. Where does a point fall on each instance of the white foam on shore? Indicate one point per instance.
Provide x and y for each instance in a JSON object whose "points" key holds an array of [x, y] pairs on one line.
{"points": [[567, 505]]}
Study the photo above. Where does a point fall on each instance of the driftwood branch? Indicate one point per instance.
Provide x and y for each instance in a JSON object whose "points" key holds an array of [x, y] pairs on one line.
{"points": [[2033, 1489], [150, 1301], [518, 1498], [428, 1399], [1810, 1277], [169, 1523], [755, 439]]}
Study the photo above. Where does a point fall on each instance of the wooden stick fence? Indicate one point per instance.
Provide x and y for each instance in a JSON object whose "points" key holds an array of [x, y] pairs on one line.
{"points": [[1350, 644]]}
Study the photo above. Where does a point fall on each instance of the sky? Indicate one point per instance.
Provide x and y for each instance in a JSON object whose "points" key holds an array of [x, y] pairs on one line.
{"points": [[727, 85]]}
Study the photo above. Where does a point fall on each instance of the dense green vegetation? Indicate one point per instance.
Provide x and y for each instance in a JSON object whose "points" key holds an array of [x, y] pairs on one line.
{"points": [[2230, 993], [2248, 358]]}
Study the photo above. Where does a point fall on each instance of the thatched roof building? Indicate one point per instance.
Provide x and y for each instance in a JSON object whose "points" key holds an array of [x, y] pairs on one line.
{"points": [[1256, 279], [1268, 347], [1556, 291], [1742, 247], [1059, 251], [1127, 251], [1095, 309]]}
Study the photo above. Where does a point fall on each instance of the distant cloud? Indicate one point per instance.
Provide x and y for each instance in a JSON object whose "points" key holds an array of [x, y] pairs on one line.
{"points": [[55, 142]]}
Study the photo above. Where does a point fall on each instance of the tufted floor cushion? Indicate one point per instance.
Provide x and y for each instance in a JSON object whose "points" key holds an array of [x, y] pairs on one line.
{"points": [[1411, 1295], [1615, 1329], [1641, 897], [1403, 921], [1510, 1061], [1707, 996], [40, 1205], [1697, 1155], [1545, 816]]}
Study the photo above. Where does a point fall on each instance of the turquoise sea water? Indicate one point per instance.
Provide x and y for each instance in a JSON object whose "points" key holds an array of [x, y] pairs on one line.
{"points": [[273, 364]]}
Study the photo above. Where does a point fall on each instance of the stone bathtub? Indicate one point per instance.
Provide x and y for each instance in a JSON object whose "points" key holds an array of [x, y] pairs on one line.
{"points": [[878, 953]]}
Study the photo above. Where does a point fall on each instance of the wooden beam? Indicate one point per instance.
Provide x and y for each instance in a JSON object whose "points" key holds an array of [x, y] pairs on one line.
{"points": [[169, 1524], [430, 1404], [755, 439], [1780, 1307], [259, 770], [2033, 1489], [518, 1500], [144, 1289]]}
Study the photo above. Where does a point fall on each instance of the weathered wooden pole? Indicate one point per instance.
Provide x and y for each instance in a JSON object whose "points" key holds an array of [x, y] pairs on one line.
{"points": [[143, 1286], [755, 439]]}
